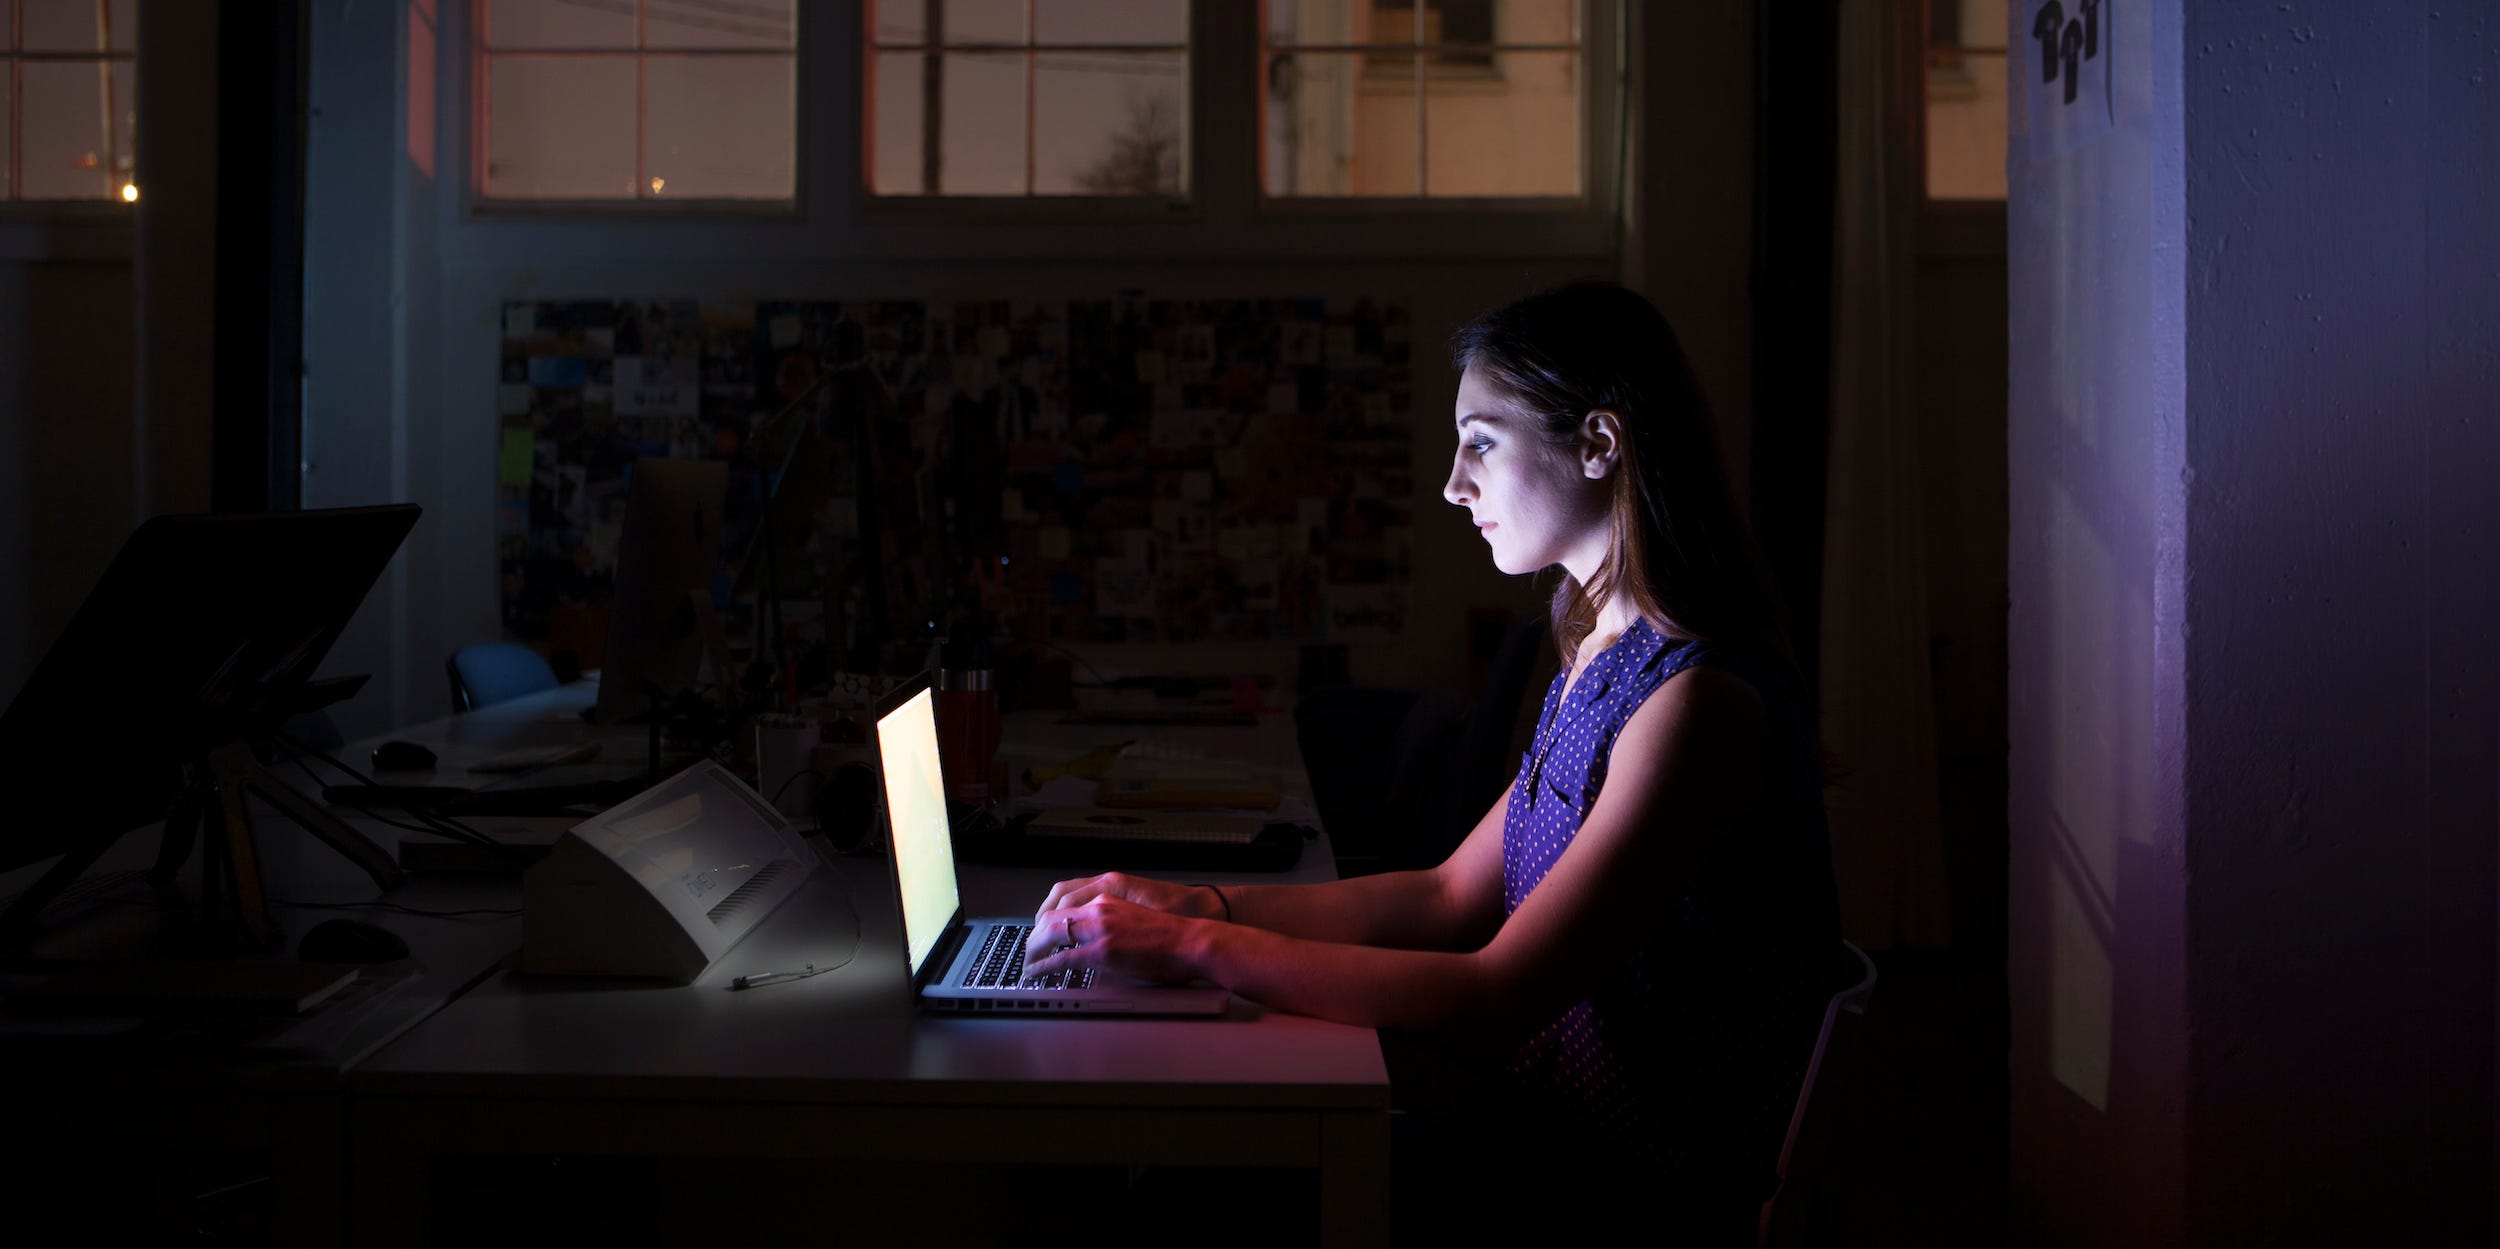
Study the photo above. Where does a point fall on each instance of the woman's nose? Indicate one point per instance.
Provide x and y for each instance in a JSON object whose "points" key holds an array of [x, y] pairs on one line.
{"points": [[1458, 489]]}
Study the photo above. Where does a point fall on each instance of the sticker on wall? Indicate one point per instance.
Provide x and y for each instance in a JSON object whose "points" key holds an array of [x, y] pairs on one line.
{"points": [[2065, 63]]}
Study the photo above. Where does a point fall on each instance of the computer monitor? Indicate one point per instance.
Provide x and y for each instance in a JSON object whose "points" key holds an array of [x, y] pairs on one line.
{"points": [[204, 631], [661, 621]]}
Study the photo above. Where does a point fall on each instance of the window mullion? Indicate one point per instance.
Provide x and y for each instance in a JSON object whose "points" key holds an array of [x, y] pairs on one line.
{"points": [[1032, 75], [642, 177]]}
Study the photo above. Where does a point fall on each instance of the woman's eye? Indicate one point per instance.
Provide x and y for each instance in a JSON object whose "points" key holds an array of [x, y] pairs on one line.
{"points": [[1480, 447]]}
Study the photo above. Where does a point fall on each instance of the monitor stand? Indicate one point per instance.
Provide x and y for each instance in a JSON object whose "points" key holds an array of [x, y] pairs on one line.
{"points": [[234, 899]]}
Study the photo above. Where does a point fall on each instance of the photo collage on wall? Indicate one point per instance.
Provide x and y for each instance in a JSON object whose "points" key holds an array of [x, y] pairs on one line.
{"points": [[1113, 470]]}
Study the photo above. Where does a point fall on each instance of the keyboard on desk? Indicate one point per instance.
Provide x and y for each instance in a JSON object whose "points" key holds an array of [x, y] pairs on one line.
{"points": [[1000, 965]]}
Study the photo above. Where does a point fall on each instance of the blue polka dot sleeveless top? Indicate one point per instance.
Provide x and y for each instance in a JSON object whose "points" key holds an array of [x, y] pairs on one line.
{"points": [[1688, 1057]]}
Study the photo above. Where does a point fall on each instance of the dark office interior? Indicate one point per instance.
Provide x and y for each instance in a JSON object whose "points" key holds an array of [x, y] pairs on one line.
{"points": [[2112, 391]]}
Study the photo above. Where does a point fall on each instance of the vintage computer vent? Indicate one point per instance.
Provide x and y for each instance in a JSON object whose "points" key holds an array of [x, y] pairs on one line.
{"points": [[743, 894]]}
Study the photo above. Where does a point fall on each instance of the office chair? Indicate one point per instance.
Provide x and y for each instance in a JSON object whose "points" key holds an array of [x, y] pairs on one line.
{"points": [[494, 672], [1400, 776], [1809, 1126]]}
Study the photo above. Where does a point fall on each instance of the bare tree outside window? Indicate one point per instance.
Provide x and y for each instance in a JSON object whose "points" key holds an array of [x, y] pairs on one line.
{"points": [[1145, 157], [1028, 98]]}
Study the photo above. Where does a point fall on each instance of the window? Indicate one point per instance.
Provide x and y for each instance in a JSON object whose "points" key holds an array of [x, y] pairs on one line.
{"points": [[1966, 107], [1424, 98], [66, 126], [1028, 97], [644, 100]]}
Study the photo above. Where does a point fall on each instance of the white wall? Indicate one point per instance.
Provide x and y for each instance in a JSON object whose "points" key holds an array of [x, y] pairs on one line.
{"points": [[2343, 268], [2253, 797], [2097, 921]]}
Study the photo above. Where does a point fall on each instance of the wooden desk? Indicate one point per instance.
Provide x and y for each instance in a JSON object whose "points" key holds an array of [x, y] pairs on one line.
{"points": [[842, 1066]]}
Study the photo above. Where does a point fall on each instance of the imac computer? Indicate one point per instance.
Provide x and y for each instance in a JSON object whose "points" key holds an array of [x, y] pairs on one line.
{"points": [[199, 640], [662, 623]]}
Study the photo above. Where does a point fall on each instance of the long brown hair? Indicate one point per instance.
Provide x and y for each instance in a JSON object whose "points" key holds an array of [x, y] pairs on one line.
{"points": [[1679, 551]]}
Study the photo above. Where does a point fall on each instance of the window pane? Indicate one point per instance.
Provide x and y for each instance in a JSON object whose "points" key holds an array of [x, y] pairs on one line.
{"points": [[898, 21], [8, 185], [121, 18], [1539, 21], [981, 127], [719, 127], [1458, 21], [559, 23], [1110, 21], [1341, 123], [62, 130], [560, 127], [8, 30], [1514, 132], [707, 24], [1965, 124], [985, 21], [894, 158], [63, 25], [125, 107], [1109, 124], [1322, 21]]}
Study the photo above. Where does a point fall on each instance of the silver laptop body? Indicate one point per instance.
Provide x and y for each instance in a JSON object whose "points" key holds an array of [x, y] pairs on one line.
{"points": [[974, 966]]}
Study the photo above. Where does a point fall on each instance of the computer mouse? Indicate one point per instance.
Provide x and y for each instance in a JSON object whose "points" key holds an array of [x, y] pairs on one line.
{"points": [[402, 757], [350, 941]]}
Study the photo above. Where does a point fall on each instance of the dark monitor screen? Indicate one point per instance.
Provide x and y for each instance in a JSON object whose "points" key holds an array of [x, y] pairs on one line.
{"points": [[196, 635]]}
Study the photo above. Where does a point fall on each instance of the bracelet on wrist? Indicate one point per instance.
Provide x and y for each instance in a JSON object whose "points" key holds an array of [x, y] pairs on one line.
{"points": [[1227, 903]]}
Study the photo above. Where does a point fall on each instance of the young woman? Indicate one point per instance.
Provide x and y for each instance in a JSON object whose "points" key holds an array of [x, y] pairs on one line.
{"points": [[1645, 928]]}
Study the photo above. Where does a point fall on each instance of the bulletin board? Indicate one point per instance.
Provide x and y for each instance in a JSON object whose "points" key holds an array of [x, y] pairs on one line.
{"points": [[1117, 470]]}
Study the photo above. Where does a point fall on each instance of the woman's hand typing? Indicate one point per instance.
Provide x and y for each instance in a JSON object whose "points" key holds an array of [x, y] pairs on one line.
{"points": [[1191, 901], [1111, 933]]}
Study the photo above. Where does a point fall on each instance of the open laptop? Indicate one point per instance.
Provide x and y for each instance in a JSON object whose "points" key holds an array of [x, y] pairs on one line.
{"points": [[961, 965]]}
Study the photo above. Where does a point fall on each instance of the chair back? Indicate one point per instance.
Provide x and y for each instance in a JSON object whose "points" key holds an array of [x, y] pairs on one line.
{"points": [[1835, 1046], [494, 672], [1401, 776]]}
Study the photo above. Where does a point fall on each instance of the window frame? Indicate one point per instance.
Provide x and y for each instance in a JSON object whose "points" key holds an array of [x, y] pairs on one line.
{"points": [[102, 208], [1600, 51], [1946, 228], [868, 199], [1222, 218], [475, 85]]}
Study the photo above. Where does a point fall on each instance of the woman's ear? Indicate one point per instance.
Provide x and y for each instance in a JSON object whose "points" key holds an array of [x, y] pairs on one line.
{"points": [[1601, 443]]}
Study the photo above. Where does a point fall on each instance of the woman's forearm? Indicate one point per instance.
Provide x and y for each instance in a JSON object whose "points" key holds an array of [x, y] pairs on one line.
{"points": [[1367, 986], [1406, 910]]}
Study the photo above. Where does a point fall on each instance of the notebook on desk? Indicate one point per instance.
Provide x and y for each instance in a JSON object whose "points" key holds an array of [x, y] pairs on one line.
{"points": [[962, 965]]}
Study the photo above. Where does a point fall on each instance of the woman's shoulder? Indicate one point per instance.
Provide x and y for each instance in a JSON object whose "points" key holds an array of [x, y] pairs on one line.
{"points": [[1700, 698]]}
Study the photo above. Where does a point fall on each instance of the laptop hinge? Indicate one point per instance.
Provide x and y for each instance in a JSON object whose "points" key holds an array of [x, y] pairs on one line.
{"points": [[943, 957]]}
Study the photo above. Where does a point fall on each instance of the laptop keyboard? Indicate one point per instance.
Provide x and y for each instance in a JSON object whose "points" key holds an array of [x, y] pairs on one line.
{"points": [[1001, 964]]}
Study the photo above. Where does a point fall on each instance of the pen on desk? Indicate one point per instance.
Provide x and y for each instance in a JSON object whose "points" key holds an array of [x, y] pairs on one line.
{"points": [[771, 977]]}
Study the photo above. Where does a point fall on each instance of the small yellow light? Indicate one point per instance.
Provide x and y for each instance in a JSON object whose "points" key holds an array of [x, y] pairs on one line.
{"points": [[657, 183], [130, 192]]}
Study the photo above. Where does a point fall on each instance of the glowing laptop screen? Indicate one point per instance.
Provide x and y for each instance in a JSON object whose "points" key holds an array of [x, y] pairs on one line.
{"points": [[915, 805]]}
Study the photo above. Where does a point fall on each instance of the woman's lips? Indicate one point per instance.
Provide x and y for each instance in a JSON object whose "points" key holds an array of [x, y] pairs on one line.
{"points": [[1487, 526]]}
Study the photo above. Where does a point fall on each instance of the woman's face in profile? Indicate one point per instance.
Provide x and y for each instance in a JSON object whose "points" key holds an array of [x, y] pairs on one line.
{"points": [[1528, 498]]}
